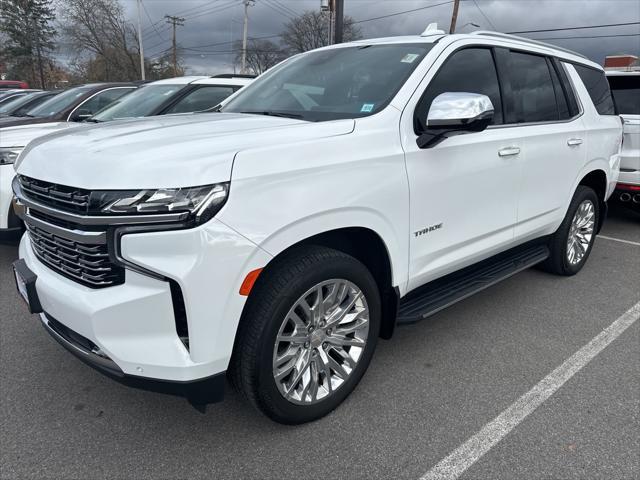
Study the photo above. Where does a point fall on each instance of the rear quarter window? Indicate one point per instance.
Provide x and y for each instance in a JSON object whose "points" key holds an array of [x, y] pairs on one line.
{"points": [[596, 84], [626, 93]]}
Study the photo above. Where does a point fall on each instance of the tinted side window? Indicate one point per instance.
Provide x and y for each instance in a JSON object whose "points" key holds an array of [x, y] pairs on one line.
{"points": [[533, 99], [561, 99], [574, 109], [201, 99], [598, 88], [471, 70], [626, 92]]}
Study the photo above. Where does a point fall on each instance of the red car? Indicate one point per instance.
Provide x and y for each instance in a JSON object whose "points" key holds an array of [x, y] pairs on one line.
{"points": [[13, 84]]}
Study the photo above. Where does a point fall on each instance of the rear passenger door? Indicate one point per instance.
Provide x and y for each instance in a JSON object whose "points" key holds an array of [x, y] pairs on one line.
{"points": [[541, 105]]}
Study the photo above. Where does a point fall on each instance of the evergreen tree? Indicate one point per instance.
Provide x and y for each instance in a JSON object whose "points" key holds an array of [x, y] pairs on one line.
{"points": [[27, 27]]}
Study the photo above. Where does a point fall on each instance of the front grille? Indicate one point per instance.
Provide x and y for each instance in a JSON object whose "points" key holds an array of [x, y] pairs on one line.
{"points": [[70, 199], [86, 264]]}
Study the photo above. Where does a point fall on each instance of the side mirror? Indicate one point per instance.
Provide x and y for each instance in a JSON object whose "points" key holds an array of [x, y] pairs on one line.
{"points": [[81, 115], [454, 113]]}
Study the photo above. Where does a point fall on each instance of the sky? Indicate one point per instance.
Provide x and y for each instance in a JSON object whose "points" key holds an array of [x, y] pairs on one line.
{"points": [[211, 26]]}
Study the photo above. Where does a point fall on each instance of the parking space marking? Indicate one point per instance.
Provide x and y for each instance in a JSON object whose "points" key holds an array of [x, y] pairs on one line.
{"points": [[619, 240], [456, 463]]}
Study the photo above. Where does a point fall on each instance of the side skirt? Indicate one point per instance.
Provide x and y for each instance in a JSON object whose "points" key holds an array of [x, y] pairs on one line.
{"points": [[444, 292]]}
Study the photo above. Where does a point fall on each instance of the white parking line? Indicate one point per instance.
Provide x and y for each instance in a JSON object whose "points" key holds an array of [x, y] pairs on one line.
{"points": [[473, 449], [619, 240]]}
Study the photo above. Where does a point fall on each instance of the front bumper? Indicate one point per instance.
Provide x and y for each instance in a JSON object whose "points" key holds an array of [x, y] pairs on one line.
{"points": [[198, 392], [133, 324]]}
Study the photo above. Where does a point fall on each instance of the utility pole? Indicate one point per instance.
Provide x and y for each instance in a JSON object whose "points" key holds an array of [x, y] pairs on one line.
{"points": [[247, 4], [142, 73], [339, 9], [328, 7], [175, 22], [454, 17]]}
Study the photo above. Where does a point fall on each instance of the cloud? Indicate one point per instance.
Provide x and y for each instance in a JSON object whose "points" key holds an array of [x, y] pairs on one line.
{"points": [[212, 27]]}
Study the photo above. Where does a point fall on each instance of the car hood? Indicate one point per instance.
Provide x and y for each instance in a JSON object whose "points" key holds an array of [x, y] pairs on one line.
{"points": [[162, 152], [22, 135]]}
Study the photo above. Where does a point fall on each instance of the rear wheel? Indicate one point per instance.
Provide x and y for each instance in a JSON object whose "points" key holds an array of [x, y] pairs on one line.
{"points": [[307, 335], [572, 243]]}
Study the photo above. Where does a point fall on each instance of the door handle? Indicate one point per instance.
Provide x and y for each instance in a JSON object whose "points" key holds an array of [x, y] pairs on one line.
{"points": [[509, 151], [572, 142]]}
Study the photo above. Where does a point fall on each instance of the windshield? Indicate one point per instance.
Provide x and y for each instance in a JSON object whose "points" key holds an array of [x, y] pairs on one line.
{"points": [[140, 103], [348, 82], [626, 93], [58, 103], [14, 103]]}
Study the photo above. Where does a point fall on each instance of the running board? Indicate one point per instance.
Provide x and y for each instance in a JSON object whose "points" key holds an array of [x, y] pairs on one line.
{"points": [[443, 292]]}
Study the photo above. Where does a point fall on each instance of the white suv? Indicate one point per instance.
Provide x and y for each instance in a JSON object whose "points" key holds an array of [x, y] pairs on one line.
{"points": [[348, 190], [625, 88]]}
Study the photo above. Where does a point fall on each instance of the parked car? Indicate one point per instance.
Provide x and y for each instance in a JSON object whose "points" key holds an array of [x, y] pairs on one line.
{"points": [[18, 107], [10, 94], [349, 190], [174, 95], [74, 105], [13, 84], [57, 113], [625, 87]]}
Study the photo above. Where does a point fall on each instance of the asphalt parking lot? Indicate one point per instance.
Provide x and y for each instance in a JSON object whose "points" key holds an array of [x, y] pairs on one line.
{"points": [[428, 390]]}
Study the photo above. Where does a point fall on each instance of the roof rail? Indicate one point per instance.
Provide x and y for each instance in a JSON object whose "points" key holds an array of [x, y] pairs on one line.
{"points": [[489, 33], [233, 75]]}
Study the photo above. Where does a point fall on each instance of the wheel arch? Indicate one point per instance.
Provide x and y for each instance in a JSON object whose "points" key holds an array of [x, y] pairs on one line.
{"points": [[368, 247], [597, 180]]}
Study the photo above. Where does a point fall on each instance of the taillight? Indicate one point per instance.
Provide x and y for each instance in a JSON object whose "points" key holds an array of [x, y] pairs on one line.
{"points": [[626, 186]]}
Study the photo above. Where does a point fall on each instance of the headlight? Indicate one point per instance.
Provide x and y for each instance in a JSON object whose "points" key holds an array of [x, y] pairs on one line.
{"points": [[201, 202], [9, 155]]}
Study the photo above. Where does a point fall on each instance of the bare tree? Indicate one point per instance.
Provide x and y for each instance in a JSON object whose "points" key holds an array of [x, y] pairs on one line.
{"points": [[261, 55], [98, 27], [311, 30]]}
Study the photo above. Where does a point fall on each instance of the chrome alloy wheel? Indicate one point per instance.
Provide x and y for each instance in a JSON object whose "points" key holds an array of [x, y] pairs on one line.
{"points": [[581, 232], [320, 341]]}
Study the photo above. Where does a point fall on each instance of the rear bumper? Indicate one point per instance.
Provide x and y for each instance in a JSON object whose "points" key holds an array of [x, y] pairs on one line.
{"points": [[198, 392]]}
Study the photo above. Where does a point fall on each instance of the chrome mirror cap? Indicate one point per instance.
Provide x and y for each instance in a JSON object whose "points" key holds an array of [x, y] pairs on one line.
{"points": [[452, 109]]}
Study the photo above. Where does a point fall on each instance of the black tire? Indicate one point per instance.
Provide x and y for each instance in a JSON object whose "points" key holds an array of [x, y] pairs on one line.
{"points": [[278, 288], [558, 262]]}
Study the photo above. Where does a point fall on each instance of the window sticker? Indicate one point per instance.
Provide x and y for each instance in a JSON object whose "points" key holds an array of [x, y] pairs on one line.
{"points": [[409, 58], [367, 107]]}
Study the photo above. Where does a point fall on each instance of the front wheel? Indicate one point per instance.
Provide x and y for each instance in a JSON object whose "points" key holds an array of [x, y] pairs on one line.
{"points": [[571, 245], [307, 335]]}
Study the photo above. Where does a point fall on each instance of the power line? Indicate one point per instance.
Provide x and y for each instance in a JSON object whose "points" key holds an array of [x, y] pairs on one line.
{"points": [[576, 28], [144, 7], [483, 14], [402, 13], [279, 10], [287, 8], [592, 36]]}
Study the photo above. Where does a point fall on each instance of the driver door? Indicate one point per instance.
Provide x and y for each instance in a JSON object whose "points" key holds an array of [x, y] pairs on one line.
{"points": [[464, 190]]}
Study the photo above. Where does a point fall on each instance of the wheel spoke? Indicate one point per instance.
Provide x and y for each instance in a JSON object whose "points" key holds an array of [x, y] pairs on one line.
{"points": [[296, 338], [285, 370], [345, 341]]}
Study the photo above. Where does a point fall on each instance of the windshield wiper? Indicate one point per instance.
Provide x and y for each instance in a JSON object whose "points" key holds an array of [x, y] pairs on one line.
{"points": [[93, 120], [272, 113]]}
